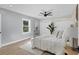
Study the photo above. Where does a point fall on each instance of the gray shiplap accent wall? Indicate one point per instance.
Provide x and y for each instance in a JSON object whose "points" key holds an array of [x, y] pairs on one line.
{"points": [[12, 26]]}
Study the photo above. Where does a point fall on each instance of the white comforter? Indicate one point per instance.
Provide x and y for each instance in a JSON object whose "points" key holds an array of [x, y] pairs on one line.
{"points": [[49, 43]]}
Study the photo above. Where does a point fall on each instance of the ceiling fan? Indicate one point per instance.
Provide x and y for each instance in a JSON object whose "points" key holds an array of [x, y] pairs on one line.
{"points": [[46, 13]]}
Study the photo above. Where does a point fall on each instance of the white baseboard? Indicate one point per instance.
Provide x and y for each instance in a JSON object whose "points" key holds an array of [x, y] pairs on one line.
{"points": [[13, 42]]}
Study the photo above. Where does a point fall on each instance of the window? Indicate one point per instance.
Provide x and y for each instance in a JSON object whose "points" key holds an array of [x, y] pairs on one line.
{"points": [[26, 25]]}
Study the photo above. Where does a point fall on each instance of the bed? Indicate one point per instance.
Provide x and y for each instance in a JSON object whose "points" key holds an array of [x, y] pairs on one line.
{"points": [[49, 43]]}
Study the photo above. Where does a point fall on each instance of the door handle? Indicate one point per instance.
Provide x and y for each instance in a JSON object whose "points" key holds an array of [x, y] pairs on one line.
{"points": [[0, 32]]}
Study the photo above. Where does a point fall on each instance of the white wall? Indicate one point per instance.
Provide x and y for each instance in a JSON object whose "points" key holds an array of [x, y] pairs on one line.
{"points": [[60, 23], [78, 32], [12, 26], [78, 25], [0, 29], [0, 22]]}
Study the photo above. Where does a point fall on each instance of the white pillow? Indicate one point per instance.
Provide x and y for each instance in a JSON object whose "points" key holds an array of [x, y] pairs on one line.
{"points": [[56, 33], [60, 34]]}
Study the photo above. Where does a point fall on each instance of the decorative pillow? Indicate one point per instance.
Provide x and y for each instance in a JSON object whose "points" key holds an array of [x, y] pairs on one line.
{"points": [[60, 35], [57, 34]]}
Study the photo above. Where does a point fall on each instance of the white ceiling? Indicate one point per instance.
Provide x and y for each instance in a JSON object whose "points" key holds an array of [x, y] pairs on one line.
{"points": [[59, 10]]}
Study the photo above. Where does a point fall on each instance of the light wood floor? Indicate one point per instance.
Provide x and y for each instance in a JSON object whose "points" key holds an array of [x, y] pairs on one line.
{"points": [[14, 49]]}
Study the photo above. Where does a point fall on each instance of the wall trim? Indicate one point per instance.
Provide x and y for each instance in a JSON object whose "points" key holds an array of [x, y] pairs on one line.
{"points": [[13, 42]]}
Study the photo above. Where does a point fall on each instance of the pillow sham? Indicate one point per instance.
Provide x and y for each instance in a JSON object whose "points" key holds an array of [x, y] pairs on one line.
{"points": [[60, 35]]}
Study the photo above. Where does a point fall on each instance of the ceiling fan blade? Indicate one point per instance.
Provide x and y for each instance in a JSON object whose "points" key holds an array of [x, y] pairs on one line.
{"points": [[41, 13], [49, 13]]}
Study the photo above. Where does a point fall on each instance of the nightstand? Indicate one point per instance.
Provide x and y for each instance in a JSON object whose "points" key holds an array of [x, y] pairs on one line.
{"points": [[70, 51]]}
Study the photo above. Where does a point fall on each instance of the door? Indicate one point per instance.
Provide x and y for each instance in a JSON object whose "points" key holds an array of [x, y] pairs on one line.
{"points": [[0, 30]]}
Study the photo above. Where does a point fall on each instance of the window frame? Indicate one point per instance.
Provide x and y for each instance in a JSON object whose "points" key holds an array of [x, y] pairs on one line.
{"points": [[29, 22]]}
